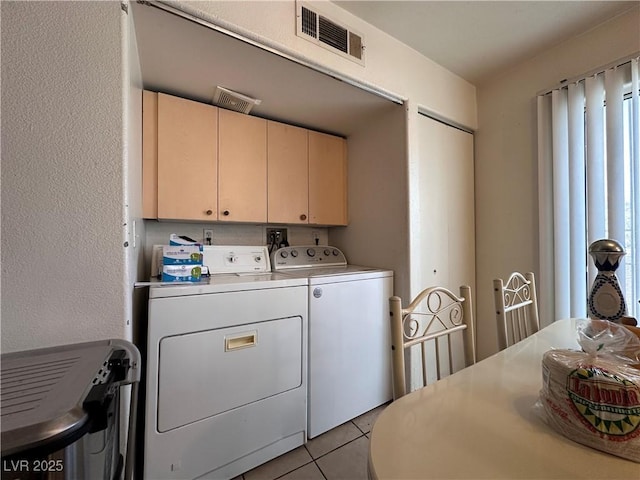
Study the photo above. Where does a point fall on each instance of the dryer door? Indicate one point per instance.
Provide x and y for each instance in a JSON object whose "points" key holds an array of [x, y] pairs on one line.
{"points": [[207, 373]]}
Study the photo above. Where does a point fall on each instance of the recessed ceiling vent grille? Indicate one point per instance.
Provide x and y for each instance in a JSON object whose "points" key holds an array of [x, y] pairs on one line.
{"points": [[225, 98], [309, 22], [323, 31]]}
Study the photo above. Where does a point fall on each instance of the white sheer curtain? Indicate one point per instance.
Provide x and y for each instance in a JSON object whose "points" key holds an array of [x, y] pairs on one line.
{"points": [[589, 185]]}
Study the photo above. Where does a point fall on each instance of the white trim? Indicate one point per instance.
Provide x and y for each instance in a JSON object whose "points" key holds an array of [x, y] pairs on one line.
{"points": [[442, 119]]}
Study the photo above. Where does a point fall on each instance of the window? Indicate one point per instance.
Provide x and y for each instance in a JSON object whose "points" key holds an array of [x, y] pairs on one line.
{"points": [[589, 185]]}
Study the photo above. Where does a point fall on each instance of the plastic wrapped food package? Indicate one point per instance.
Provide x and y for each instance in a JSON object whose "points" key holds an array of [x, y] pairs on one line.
{"points": [[593, 396]]}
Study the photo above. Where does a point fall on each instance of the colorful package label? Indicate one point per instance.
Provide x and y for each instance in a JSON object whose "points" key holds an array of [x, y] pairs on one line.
{"points": [[182, 255], [181, 273]]}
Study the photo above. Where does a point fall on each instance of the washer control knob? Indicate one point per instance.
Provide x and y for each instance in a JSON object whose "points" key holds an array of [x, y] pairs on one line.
{"points": [[327, 252], [257, 258], [335, 252], [311, 252], [294, 253], [232, 258], [284, 254]]}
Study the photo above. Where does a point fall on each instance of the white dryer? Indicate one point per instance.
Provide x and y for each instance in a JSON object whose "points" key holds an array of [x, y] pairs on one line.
{"points": [[226, 368], [349, 333]]}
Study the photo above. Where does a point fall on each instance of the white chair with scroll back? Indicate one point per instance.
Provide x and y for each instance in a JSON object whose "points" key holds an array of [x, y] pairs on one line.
{"points": [[436, 315]]}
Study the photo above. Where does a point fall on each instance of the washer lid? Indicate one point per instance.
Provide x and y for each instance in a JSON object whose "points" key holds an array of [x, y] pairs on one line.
{"points": [[345, 273], [328, 271]]}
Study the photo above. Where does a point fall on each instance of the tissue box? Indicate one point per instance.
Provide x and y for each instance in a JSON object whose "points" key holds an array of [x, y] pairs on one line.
{"points": [[182, 255], [183, 241], [181, 273]]}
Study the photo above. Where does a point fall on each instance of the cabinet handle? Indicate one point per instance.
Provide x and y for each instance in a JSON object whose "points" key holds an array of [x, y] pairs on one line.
{"points": [[209, 212], [303, 217], [226, 213]]}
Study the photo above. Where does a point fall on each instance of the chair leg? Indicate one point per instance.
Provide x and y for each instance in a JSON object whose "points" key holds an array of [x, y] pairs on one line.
{"points": [[399, 383]]}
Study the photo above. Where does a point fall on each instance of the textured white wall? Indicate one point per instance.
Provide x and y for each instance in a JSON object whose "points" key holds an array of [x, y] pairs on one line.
{"points": [[390, 65], [377, 234], [506, 158], [63, 260]]}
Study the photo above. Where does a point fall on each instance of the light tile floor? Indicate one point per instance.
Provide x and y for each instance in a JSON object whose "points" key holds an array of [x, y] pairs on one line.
{"points": [[340, 453]]}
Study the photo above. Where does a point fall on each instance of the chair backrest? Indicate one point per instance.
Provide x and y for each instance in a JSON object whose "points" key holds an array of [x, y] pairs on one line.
{"points": [[434, 316], [516, 308]]}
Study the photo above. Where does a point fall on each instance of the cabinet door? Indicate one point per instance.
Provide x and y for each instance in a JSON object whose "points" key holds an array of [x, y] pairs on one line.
{"points": [[327, 179], [288, 174], [187, 159], [242, 184], [149, 154]]}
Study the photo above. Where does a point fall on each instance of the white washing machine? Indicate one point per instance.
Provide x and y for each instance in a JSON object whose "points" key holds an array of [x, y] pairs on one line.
{"points": [[226, 368], [349, 333]]}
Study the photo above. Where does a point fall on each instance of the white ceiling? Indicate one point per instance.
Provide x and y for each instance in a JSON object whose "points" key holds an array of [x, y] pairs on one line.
{"points": [[473, 39], [477, 39]]}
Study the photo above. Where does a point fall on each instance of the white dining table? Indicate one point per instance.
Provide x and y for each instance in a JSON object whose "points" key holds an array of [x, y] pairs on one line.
{"points": [[481, 423]]}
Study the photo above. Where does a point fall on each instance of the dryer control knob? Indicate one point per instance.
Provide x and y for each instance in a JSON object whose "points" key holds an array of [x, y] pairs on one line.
{"points": [[311, 252], [257, 258], [232, 259], [294, 253], [327, 252], [285, 254]]}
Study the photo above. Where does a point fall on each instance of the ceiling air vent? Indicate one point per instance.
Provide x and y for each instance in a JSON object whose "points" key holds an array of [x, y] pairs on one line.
{"points": [[225, 98], [317, 28]]}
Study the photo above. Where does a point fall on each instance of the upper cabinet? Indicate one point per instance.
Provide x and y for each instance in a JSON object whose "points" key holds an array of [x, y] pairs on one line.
{"points": [[205, 163], [242, 167], [288, 181], [185, 154], [327, 179]]}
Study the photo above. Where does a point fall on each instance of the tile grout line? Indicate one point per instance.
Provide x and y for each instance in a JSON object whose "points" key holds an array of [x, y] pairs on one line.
{"points": [[335, 449], [362, 434], [315, 460], [316, 464]]}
